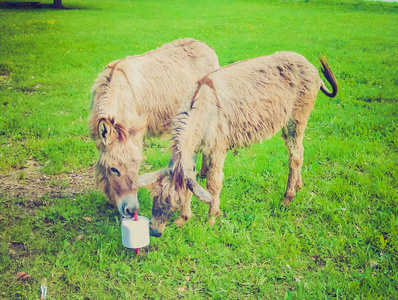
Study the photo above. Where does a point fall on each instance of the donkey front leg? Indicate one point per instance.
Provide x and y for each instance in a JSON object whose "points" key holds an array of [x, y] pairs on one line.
{"points": [[205, 166], [186, 211], [214, 183]]}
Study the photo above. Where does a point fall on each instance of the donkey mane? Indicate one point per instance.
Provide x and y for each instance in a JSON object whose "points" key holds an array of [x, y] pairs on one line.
{"points": [[100, 92], [187, 126]]}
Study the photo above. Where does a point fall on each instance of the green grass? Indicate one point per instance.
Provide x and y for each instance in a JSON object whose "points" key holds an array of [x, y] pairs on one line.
{"points": [[338, 238]]}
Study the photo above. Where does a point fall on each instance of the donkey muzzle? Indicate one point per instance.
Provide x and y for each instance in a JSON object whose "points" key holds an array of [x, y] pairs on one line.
{"points": [[154, 232], [128, 205]]}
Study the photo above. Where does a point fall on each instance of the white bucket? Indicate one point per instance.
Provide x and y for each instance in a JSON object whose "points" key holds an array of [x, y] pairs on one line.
{"points": [[135, 234]]}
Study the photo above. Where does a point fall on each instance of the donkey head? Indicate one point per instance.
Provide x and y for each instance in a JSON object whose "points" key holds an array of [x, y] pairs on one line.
{"points": [[168, 198], [119, 162]]}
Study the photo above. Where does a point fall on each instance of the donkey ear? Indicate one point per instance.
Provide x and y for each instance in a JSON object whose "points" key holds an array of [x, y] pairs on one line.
{"points": [[148, 179], [140, 124], [198, 191], [105, 131]]}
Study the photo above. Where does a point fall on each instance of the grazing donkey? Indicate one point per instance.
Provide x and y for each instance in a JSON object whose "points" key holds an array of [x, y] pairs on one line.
{"points": [[235, 106], [134, 96]]}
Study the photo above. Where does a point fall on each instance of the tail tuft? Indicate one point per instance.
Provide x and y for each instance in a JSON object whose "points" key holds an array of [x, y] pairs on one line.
{"points": [[329, 77]]}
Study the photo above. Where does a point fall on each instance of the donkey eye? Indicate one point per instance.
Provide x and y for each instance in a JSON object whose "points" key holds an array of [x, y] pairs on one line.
{"points": [[115, 172]]}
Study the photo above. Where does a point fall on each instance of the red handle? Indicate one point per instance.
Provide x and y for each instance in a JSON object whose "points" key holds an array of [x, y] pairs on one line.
{"points": [[136, 219]]}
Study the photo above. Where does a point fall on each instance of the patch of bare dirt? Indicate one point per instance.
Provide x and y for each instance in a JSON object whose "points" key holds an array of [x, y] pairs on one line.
{"points": [[30, 182]]}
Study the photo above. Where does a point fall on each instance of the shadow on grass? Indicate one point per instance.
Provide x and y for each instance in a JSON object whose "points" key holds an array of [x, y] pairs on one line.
{"points": [[37, 5]]}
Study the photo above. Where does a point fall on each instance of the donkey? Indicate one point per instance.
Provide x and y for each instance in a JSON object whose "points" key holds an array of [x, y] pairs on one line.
{"points": [[135, 96], [232, 107]]}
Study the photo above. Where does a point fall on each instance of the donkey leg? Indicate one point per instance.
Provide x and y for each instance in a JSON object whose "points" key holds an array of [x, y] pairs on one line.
{"points": [[293, 134], [214, 183], [186, 211], [205, 166]]}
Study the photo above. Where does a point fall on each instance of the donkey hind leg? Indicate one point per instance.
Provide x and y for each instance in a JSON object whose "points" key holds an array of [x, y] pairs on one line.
{"points": [[293, 134], [214, 184], [186, 211], [205, 166]]}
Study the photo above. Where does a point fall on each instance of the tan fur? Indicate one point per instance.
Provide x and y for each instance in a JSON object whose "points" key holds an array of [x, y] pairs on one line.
{"points": [[238, 105], [139, 95]]}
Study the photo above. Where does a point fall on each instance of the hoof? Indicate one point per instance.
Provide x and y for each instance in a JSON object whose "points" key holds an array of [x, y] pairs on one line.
{"points": [[299, 185], [211, 221], [213, 217], [286, 201]]}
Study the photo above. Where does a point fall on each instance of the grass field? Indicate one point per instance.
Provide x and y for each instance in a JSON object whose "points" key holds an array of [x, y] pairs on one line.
{"points": [[337, 240]]}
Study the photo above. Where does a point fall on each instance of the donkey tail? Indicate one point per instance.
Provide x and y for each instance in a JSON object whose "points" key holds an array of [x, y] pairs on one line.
{"points": [[329, 77]]}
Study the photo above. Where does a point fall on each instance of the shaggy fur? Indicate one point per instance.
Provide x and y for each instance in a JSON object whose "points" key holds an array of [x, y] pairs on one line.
{"points": [[135, 96], [235, 106]]}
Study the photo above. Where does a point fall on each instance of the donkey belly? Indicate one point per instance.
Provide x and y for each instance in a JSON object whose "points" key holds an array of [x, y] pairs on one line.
{"points": [[257, 121]]}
